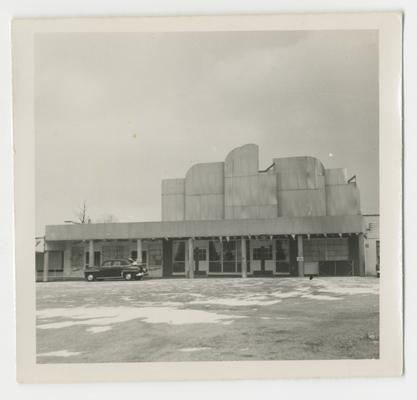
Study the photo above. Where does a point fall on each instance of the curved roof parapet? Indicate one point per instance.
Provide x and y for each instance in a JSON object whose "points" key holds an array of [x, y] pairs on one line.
{"points": [[304, 172], [242, 161], [204, 178]]}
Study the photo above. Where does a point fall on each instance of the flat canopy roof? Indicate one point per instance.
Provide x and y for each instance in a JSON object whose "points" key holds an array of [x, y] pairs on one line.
{"points": [[179, 229]]}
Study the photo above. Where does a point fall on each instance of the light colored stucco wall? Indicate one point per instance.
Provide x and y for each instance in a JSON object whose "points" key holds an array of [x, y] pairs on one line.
{"points": [[173, 202], [295, 173], [248, 193], [343, 199], [235, 189], [336, 176], [300, 186], [302, 203], [204, 192]]}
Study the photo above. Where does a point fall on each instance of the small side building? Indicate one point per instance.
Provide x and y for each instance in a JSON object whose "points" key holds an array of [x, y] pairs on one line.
{"points": [[372, 245], [293, 218]]}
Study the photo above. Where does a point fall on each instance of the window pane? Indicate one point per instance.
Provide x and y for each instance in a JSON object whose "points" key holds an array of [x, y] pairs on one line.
{"points": [[178, 256], [337, 249], [200, 254], [215, 256], [256, 253], [155, 256], [214, 250], [229, 250], [118, 251], [267, 252], [314, 249], [77, 256], [262, 253], [56, 261], [239, 255], [229, 256], [248, 255], [282, 250]]}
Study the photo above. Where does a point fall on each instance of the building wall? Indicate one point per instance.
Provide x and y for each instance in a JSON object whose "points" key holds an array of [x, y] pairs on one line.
{"points": [[342, 199], [204, 192], [74, 255], [173, 201], [248, 193], [323, 256], [236, 189], [370, 243]]}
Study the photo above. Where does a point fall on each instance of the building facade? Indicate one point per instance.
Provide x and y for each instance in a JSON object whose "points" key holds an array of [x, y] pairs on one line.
{"points": [[294, 218], [372, 245]]}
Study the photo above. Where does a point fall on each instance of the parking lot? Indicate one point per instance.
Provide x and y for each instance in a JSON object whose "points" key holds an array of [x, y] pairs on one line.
{"points": [[208, 320]]}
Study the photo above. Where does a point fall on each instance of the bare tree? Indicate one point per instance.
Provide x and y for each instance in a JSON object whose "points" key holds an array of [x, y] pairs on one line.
{"points": [[82, 214]]}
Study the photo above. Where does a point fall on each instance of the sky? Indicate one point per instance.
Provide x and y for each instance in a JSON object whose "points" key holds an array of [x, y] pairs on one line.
{"points": [[115, 113]]}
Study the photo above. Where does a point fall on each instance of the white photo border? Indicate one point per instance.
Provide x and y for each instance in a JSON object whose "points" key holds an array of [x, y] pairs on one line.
{"points": [[390, 363]]}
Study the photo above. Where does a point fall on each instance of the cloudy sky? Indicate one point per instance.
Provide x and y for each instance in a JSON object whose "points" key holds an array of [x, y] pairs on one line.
{"points": [[116, 113]]}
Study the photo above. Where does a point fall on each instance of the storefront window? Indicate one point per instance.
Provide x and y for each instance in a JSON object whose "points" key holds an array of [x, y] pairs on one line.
{"points": [[326, 249], [111, 252], [155, 256], [215, 256], [282, 250], [77, 253], [314, 249], [178, 254], [200, 254], [262, 253], [282, 256], [229, 256], [56, 261]]}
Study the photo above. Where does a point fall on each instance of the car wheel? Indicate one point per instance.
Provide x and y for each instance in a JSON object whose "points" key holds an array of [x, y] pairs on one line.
{"points": [[90, 277], [128, 276]]}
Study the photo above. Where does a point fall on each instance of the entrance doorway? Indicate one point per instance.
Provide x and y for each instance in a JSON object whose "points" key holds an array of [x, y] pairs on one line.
{"points": [[262, 257], [200, 259]]}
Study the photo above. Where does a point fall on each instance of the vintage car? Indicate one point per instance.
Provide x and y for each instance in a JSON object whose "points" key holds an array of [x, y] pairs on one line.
{"points": [[116, 269]]}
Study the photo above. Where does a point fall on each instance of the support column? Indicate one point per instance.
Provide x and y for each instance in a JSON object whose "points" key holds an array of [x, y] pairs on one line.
{"points": [[300, 255], [361, 254], [139, 251], [243, 253], [91, 253], [191, 258], [45, 262], [274, 256]]}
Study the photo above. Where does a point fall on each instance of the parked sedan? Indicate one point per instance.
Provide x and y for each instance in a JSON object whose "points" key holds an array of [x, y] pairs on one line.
{"points": [[116, 269]]}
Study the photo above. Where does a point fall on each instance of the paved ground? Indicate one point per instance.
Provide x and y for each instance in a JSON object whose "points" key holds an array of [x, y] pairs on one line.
{"points": [[208, 319]]}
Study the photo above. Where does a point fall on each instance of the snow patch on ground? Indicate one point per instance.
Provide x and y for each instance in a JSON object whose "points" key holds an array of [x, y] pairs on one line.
{"points": [[189, 349], [238, 302], [319, 297], [351, 290], [285, 295], [108, 316]]}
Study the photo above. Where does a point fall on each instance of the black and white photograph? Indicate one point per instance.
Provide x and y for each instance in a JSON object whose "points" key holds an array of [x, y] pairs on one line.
{"points": [[206, 195]]}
